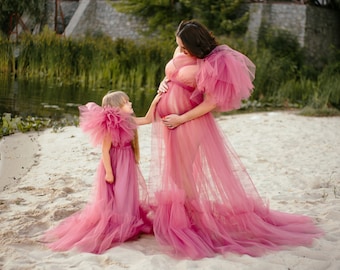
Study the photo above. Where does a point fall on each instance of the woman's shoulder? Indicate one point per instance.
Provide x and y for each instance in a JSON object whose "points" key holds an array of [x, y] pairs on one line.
{"points": [[227, 76], [224, 57], [219, 51]]}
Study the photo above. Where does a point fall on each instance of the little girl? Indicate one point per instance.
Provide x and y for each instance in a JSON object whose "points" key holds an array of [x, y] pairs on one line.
{"points": [[116, 212]]}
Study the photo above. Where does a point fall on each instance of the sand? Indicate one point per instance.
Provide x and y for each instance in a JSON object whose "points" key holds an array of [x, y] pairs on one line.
{"points": [[293, 160]]}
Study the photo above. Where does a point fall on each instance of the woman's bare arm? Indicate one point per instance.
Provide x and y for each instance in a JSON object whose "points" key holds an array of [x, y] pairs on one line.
{"points": [[174, 120]]}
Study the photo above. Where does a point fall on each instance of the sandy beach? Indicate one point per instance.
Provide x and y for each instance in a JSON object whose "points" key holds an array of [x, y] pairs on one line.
{"points": [[294, 162]]}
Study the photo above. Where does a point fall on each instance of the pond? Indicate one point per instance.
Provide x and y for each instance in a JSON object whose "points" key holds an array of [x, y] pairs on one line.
{"points": [[37, 97]]}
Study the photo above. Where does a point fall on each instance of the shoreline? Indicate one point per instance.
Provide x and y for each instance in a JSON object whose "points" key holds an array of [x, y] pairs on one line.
{"points": [[18, 153]]}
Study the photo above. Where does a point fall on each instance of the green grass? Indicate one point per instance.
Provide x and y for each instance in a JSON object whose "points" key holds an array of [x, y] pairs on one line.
{"points": [[284, 79]]}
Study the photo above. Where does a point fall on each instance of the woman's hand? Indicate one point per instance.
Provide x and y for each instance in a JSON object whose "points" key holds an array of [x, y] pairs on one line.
{"points": [[163, 86], [172, 121]]}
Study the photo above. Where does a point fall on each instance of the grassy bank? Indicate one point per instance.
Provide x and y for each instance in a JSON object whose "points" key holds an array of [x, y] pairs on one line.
{"points": [[283, 77]]}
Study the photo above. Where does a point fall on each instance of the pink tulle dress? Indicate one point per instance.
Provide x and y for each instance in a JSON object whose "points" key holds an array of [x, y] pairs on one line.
{"points": [[205, 203], [116, 212]]}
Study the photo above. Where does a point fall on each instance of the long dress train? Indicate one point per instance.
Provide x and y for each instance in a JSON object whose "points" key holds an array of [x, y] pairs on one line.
{"points": [[206, 202], [116, 212]]}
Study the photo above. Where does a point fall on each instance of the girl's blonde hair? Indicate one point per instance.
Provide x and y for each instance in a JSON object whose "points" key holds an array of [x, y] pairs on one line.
{"points": [[117, 99]]}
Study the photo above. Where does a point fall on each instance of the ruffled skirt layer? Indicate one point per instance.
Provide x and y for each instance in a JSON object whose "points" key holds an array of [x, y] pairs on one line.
{"points": [[116, 213], [206, 202]]}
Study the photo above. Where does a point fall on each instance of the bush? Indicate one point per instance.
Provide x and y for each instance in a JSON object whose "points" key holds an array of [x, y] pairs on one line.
{"points": [[283, 78]]}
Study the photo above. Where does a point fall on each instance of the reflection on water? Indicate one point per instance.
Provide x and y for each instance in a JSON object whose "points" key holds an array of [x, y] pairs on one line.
{"points": [[42, 98]]}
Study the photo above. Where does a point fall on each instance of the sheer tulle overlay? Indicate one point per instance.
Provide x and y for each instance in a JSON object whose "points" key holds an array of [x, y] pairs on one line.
{"points": [[205, 202], [117, 212]]}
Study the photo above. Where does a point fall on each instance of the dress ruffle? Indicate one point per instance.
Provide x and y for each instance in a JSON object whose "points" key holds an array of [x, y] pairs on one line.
{"points": [[98, 121], [201, 228], [226, 76], [117, 212], [204, 201]]}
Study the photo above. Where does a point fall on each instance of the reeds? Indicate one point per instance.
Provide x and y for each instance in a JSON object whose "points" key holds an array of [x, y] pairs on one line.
{"points": [[136, 67], [284, 78], [93, 62]]}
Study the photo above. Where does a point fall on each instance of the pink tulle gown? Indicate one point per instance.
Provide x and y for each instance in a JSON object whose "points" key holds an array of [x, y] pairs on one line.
{"points": [[116, 212], [206, 202]]}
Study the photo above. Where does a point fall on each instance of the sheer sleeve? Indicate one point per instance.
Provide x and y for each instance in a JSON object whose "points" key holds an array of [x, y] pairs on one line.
{"points": [[226, 76], [98, 122]]}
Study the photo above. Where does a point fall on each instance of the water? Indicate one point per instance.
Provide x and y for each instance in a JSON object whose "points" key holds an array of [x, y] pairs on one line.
{"points": [[37, 97]]}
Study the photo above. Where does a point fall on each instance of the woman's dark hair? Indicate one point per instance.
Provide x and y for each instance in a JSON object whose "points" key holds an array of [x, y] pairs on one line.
{"points": [[196, 38]]}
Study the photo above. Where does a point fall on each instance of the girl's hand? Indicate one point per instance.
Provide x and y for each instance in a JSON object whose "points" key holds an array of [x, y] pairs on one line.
{"points": [[163, 86], [172, 121], [109, 178]]}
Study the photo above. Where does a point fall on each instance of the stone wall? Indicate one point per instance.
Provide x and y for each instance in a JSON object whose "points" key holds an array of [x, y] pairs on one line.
{"points": [[316, 29], [65, 12], [98, 16], [83, 20], [116, 24]]}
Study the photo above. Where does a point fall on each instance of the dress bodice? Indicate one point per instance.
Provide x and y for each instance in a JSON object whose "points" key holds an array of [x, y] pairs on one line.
{"points": [[182, 69], [181, 72]]}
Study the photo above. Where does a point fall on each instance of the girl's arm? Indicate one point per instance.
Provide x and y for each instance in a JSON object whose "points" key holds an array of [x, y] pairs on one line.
{"points": [[147, 119], [174, 120], [106, 159]]}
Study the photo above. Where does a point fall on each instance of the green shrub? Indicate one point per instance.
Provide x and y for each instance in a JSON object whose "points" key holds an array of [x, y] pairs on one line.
{"points": [[283, 78]]}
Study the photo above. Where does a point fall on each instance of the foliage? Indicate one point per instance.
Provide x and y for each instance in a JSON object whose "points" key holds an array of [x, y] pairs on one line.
{"points": [[331, 4], [161, 16], [283, 77], [35, 8], [221, 16], [329, 81], [10, 125], [336, 4], [310, 111], [92, 59], [6, 55], [281, 43], [278, 61], [136, 67]]}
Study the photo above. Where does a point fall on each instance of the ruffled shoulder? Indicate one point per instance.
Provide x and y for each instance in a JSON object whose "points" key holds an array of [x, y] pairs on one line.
{"points": [[227, 76], [98, 121]]}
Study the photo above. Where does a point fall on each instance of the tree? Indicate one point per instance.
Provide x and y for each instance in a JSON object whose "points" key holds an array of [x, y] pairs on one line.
{"points": [[36, 8], [223, 16], [220, 16]]}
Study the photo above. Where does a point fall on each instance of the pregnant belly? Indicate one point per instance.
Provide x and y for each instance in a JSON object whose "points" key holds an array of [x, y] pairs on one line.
{"points": [[176, 100]]}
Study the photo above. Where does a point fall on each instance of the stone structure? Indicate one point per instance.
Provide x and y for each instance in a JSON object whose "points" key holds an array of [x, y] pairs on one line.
{"points": [[98, 16], [59, 14], [316, 28]]}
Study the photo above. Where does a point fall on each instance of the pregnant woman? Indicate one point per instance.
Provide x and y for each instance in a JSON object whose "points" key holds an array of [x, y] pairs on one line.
{"points": [[206, 203]]}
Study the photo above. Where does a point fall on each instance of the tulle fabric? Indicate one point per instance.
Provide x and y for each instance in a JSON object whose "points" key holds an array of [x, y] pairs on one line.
{"points": [[205, 202], [98, 121], [116, 212], [227, 76]]}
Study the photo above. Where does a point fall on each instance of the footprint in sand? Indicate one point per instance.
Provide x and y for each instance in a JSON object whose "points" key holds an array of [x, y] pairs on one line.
{"points": [[63, 213]]}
